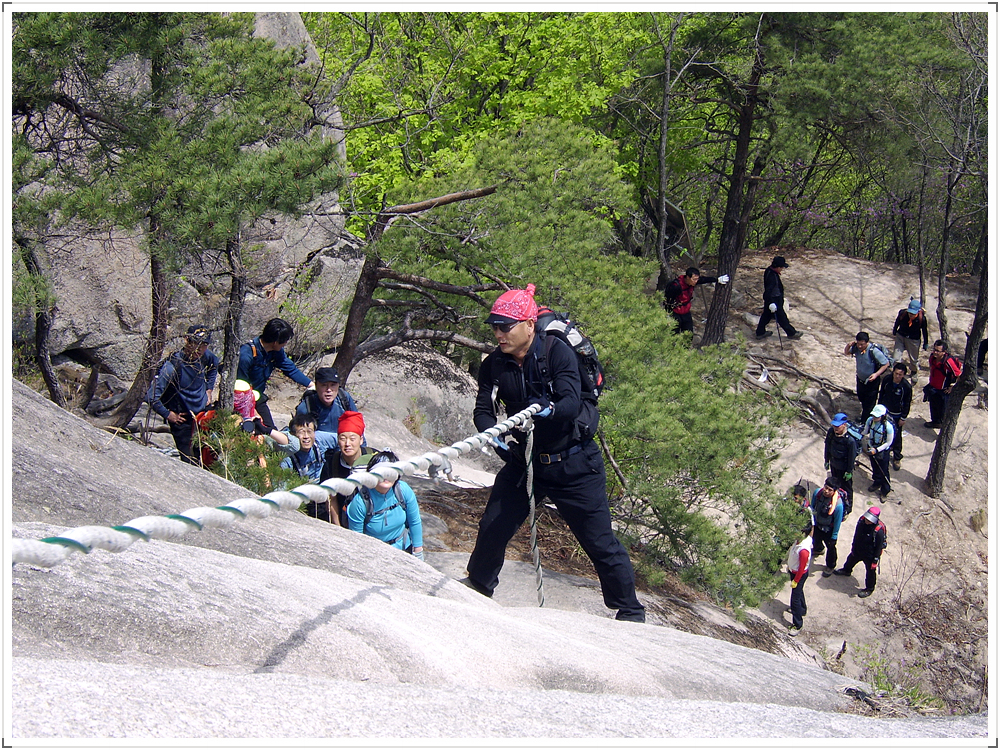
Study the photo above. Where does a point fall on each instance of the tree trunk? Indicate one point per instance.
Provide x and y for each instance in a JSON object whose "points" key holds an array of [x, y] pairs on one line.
{"points": [[742, 187], [360, 304], [965, 385], [233, 326], [43, 324], [942, 315], [155, 344]]}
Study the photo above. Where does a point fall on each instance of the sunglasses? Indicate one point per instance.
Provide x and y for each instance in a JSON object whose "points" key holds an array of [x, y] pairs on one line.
{"points": [[505, 327]]}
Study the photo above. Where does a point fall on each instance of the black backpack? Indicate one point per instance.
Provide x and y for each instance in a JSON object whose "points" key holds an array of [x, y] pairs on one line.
{"points": [[551, 323]]}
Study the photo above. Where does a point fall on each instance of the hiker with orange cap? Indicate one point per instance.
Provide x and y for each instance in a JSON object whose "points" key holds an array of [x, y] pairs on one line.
{"points": [[346, 457], [869, 541], [532, 367]]}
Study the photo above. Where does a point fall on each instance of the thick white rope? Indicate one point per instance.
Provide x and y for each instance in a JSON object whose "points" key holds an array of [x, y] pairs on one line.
{"points": [[51, 551]]}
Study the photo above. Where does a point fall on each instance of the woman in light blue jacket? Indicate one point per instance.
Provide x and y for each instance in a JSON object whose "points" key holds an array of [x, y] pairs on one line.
{"points": [[388, 512]]}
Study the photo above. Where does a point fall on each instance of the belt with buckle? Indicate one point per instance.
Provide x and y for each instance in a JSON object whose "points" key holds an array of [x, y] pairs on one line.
{"points": [[553, 458]]}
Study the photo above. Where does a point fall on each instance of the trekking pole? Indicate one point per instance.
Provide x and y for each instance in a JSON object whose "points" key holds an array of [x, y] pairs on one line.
{"points": [[880, 471], [779, 334]]}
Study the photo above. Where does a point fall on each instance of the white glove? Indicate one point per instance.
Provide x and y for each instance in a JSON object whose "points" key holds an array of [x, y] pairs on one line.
{"points": [[772, 307], [724, 279]]}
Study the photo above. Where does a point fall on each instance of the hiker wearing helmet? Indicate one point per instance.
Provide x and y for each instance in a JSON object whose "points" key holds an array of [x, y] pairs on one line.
{"points": [[869, 541], [870, 363], [839, 455], [895, 394], [774, 301], [881, 434], [910, 324], [184, 386], [389, 511], [828, 511], [679, 293], [526, 368]]}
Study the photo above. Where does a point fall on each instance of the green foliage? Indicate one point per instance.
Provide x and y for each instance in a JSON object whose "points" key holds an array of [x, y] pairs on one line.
{"points": [[894, 679], [243, 461]]}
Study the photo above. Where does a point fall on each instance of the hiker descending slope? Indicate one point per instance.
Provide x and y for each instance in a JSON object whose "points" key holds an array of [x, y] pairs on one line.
{"points": [[774, 301], [828, 511], [945, 370], [799, 557], [881, 435], [870, 363], [530, 367], [896, 394], [910, 324], [839, 454]]}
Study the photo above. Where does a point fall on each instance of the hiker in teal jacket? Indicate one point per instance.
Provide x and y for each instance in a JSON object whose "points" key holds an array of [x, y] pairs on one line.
{"points": [[395, 515], [828, 512]]}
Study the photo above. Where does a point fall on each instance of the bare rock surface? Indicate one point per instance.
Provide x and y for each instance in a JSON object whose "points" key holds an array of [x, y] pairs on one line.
{"points": [[198, 637]]}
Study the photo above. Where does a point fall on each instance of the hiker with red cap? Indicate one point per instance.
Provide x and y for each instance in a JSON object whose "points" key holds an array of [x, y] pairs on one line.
{"points": [[869, 541], [346, 458], [532, 367], [774, 301]]}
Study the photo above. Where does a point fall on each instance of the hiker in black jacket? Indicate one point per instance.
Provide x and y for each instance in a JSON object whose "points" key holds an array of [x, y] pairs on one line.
{"points": [[869, 541], [567, 464], [910, 324], [895, 395], [774, 301], [839, 454]]}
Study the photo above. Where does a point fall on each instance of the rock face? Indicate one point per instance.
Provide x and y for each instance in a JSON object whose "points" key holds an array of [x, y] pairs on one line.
{"points": [[101, 279], [198, 638]]}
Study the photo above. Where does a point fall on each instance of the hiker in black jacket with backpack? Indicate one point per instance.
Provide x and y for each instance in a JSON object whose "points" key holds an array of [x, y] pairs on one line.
{"points": [[896, 394], [530, 367]]}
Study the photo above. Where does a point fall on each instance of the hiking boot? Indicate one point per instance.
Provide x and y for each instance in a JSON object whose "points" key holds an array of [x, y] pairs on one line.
{"points": [[764, 335], [866, 593], [631, 615], [885, 494], [896, 464], [475, 587], [828, 572], [873, 488], [932, 425], [840, 572], [795, 336], [793, 631]]}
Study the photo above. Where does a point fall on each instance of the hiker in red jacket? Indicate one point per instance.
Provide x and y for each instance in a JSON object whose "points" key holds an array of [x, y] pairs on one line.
{"points": [[945, 370], [679, 293]]}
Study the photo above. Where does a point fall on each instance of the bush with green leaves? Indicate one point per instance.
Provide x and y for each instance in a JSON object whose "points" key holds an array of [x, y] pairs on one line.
{"points": [[242, 460]]}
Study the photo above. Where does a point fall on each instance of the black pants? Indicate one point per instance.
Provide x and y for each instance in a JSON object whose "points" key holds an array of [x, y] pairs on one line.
{"points": [[684, 321], [871, 574], [937, 399], [765, 318], [847, 484], [867, 395], [264, 411], [183, 433], [577, 486], [798, 600], [823, 538], [897, 442], [880, 471]]}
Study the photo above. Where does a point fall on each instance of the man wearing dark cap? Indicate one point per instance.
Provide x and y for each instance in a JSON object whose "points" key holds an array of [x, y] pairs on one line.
{"points": [[327, 402], [184, 386], [774, 301], [529, 367]]}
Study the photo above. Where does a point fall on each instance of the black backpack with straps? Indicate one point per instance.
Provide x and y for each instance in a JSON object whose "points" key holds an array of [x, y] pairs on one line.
{"points": [[366, 495]]}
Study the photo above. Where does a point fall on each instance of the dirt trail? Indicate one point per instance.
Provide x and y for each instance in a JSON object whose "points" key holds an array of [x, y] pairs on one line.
{"points": [[928, 613]]}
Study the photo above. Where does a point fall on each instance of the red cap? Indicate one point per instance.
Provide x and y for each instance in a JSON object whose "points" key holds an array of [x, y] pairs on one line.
{"points": [[514, 306], [351, 421]]}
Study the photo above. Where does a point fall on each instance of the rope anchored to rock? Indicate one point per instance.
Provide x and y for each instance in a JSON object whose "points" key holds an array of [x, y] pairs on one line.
{"points": [[51, 551]]}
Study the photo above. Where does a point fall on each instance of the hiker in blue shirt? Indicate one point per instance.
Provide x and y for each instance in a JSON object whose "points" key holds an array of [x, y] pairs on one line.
{"points": [[327, 402], [828, 512], [183, 387], [304, 453], [388, 512], [870, 364], [262, 356]]}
